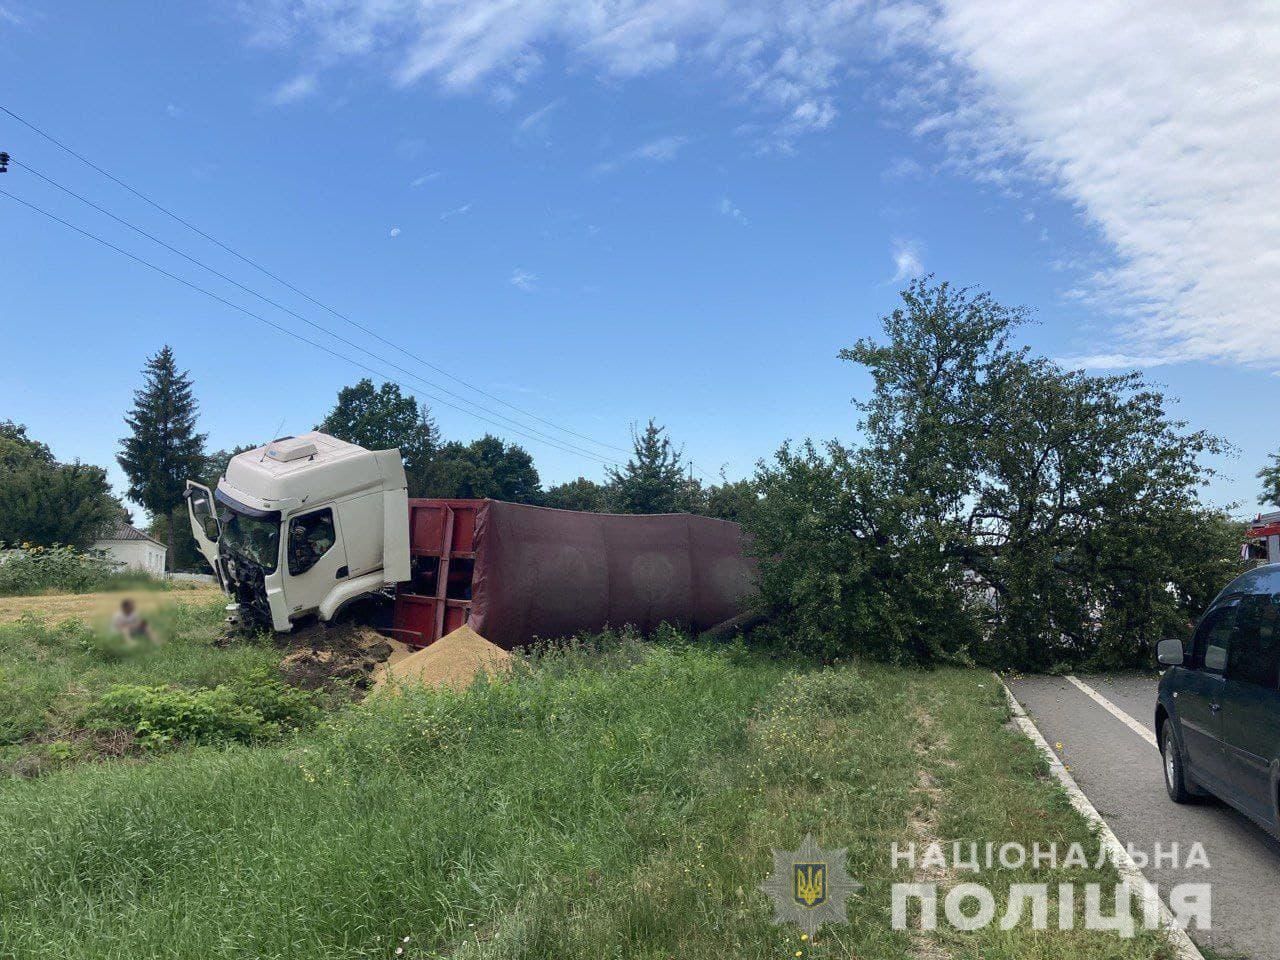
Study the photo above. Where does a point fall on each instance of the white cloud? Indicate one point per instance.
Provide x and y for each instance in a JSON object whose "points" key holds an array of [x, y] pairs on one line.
{"points": [[1161, 122], [417, 182], [659, 150], [903, 168], [783, 60], [395, 232], [730, 210], [537, 125], [291, 91], [456, 211], [524, 280], [174, 111], [906, 261], [1112, 361]]}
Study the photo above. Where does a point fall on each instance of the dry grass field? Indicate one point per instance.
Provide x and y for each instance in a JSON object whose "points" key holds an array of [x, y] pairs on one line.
{"points": [[91, 607]]}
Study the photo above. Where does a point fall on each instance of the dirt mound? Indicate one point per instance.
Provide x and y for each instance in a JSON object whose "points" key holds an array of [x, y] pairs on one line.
{"points": [[347, 651], [452, 661]]}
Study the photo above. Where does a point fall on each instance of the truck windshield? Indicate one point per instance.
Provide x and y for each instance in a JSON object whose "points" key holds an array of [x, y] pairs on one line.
{"points": [[255, 538]]}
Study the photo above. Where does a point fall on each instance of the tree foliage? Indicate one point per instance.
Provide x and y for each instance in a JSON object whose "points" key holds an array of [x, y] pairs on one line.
{"points": [[44, 502], [579, 494], [734, 500], [163, 449], [379, 418], [488, 467], [655, 478], [1270, 477], [215, 464], [1002, 509]]}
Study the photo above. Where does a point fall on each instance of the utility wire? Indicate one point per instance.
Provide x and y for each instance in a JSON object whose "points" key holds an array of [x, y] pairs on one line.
{"points": [[257, 266], [292, 313], [285, 330]]}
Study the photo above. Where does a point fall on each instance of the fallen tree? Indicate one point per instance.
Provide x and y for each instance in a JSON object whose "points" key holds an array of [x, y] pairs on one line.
{"points": [[1002, 509]]}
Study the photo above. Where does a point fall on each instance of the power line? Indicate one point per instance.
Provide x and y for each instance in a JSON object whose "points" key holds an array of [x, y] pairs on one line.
{"points": [[293, 313], [285, 330], [257, 266]]}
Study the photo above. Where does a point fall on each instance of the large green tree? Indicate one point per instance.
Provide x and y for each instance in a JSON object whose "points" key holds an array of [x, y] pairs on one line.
{"points": [[487, 467], [655, 479], [1002, 508], [379, 418], [734, 500], [45, 502], [580, 494], [163, 449]]}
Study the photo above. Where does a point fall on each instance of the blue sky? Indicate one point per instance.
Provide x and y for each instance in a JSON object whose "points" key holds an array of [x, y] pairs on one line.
{"points": [[605, 212]]}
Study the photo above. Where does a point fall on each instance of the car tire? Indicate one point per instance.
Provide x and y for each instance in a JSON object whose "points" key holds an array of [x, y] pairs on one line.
{"points": [[1175, 778]]}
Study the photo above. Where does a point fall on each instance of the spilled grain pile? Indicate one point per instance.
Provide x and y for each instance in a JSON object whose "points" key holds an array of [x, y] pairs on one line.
{"points": [[452, 661]]}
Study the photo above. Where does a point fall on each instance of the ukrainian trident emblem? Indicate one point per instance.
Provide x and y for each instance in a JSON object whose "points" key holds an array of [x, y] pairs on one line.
{"points": [[809, 886]]}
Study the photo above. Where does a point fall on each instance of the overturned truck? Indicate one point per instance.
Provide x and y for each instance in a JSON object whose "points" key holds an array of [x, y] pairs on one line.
{"points": [[306, 526]]}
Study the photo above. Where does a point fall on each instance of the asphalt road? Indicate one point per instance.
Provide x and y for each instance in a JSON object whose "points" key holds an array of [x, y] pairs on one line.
{"points": [[1120, 773]]}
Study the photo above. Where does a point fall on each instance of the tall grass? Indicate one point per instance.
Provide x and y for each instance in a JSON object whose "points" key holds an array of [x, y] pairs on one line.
{"points": [[430, 815], [618, 803], [50, 672]]}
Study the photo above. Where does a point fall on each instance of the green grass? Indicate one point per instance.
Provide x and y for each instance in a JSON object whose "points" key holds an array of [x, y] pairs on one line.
{"points": [[596, 805], [50, 673]]}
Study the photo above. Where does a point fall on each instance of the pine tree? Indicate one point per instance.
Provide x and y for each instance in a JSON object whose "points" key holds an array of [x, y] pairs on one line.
{"points": [[654, 479], [164, 450]]}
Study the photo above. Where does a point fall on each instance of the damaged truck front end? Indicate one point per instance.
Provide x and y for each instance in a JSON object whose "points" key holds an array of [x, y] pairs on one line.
{"points": [[242, 545], [249, 552], [302, 527]]}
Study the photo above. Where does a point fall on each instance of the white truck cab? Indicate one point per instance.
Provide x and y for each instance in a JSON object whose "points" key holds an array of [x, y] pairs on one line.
{"points": [[302, 526]]}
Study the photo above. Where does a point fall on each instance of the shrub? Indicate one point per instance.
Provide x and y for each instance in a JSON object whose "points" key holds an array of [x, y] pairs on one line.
{"points": [[28, 570], [250, 709]]}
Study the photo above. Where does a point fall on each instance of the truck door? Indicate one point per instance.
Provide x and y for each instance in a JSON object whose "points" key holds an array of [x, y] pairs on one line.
{"points": [[316, 559], [204, 523]]}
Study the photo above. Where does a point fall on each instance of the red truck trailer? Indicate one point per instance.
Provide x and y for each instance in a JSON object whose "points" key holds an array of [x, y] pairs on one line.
{"points": [[516, 572]]}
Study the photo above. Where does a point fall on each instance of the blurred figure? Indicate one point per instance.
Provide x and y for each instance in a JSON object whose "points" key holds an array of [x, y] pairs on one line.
{"points": [[130, 625]]}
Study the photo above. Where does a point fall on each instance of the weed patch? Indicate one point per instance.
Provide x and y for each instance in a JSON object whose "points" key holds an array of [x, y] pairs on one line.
{"points": [[249, 709]]}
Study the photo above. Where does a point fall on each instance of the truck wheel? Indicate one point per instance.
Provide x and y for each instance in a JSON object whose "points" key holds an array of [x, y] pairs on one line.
{"points": [[1174, 776]]}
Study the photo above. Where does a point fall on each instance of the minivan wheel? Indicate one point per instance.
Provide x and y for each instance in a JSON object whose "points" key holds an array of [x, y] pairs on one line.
{"points": [[1174, 778]]}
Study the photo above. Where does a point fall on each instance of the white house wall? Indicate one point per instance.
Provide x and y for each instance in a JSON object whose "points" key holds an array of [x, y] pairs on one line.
{"points": [[140, 555]]}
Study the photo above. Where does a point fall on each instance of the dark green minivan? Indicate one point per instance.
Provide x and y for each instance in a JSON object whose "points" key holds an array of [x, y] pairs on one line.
{"points": [[1218, 710]]}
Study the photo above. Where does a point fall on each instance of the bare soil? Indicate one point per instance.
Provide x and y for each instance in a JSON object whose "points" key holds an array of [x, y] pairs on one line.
{"points": [[323, 657]]}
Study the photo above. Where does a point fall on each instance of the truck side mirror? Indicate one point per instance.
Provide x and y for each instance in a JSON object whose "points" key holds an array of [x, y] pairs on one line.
{"points": [[1169, 653], [210, 525]]}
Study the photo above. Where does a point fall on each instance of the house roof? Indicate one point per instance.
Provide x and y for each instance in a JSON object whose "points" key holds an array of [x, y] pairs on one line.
{"points": [[126, 531]]}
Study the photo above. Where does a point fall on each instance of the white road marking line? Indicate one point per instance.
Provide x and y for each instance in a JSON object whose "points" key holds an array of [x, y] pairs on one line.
{"points": [[1182, 944], [1116, 712]]}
